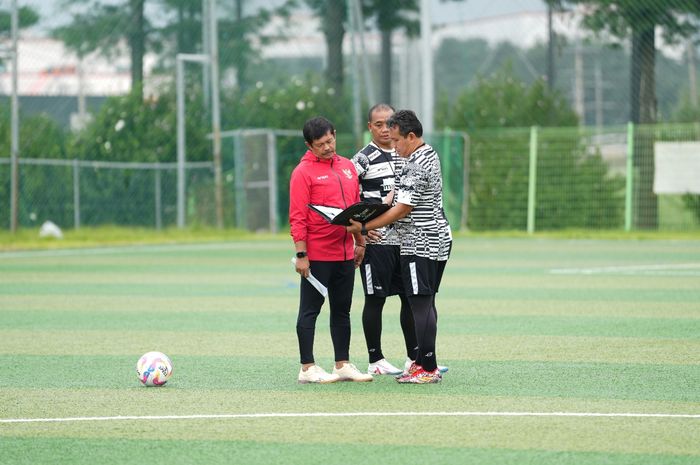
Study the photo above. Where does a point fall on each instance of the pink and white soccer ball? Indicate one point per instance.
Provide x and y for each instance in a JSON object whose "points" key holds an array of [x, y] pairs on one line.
{"points": [[154, 368]]}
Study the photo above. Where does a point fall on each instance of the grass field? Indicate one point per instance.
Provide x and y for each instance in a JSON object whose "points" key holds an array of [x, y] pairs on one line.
{"points": [[559, 350]]}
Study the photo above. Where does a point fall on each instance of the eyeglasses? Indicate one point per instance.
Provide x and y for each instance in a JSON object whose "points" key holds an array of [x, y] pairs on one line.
{"points": [[321, 144]]}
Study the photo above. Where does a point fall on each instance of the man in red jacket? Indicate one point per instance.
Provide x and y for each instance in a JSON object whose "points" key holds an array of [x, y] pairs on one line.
{"points": [[324, 250]]}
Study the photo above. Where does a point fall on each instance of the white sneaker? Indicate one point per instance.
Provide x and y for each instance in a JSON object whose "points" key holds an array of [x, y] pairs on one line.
{"points": [[348, 372], [316, 374], [409, 362], [383, 367]]}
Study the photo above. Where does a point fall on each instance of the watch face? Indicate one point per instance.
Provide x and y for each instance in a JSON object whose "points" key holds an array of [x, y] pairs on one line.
{"points": [[301, 254]]}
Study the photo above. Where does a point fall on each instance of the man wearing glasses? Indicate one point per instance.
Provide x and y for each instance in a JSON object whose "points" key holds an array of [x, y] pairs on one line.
{"points": [[327, 251]]}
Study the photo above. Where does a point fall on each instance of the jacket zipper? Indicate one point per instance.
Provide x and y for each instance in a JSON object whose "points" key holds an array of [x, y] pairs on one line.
{"points": [[345, 205]]}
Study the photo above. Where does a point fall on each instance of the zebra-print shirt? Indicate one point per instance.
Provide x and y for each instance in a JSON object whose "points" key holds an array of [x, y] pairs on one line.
{"points": [[376, 170], [425, 232]]}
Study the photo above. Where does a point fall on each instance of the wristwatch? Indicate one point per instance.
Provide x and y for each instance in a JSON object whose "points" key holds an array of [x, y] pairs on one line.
{"points": [[363, 230], [301, 254]]}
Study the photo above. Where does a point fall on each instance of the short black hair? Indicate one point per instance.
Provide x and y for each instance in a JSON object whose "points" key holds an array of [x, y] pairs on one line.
{"points": [[406, 121], [317, 127], [379, 106]]}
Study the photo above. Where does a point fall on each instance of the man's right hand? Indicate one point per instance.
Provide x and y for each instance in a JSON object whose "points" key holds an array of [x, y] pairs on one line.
{"points": [[303, 266]]}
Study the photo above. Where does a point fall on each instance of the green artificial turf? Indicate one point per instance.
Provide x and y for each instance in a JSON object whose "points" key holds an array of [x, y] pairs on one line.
{"points": [[537, 325]]}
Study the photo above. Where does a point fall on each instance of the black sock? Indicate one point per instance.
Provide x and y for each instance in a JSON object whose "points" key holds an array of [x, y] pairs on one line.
{"points": [[424, 316], [372, 325], [408, 327]]}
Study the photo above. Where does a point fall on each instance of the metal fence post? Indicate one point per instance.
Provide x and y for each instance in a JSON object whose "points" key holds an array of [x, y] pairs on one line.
{"points": [[76, 194], [629, 178], [532, 181], [239, 180], [465, 181], [14, 123], [272, 179], [158, 206], [446, 150]]}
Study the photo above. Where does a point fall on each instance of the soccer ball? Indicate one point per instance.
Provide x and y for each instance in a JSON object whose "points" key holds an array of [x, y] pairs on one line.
{"points": [[154, 368]]}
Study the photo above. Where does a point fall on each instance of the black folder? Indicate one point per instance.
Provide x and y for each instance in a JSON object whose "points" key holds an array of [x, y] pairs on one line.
{"points": [[361, 211]]}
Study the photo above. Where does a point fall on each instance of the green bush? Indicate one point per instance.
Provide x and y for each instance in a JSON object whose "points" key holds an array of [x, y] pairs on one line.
{"points": [[574, 187]]}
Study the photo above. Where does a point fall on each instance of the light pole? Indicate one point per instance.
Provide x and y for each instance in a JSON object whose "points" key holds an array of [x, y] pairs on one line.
{"points": [[14, 150], [216, 112]]}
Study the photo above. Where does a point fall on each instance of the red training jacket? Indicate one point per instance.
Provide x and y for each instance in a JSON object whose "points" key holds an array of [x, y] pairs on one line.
{"points": [[331, 182]]}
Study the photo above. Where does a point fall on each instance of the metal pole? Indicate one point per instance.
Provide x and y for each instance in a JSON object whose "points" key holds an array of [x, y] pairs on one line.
{"points": [[76, 194], [158, 206], [180, 85], [550, 49], [446, 158], [356, 118], [692, 77], [272, 177], [206, 78], [629, 178], [465, 181], [579, 89], [216, 114], [598, 97], [427, 66], [82, 107], [14, 150], [239, 184], [532, 181], [359, 21]]}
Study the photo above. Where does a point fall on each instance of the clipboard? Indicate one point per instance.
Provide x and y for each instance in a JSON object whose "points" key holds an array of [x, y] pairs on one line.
{"points": [[360, 211]]}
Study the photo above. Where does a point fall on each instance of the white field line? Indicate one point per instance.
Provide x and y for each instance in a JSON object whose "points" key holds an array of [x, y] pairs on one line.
{"points": [[351, 414], [671, 268], [151, 248]]}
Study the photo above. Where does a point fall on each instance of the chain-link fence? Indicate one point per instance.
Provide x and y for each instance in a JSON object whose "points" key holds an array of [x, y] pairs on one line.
{"points": [[257, 167], [264, 160], [75, 193], [622, 177], [604, 178]]}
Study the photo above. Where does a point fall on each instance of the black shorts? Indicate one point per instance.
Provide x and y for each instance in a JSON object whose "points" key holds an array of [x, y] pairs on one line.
{"points": [[421, 276], [380, 271]]}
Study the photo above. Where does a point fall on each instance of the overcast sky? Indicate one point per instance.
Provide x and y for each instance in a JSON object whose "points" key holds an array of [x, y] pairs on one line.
{"points": [[442, 11]]}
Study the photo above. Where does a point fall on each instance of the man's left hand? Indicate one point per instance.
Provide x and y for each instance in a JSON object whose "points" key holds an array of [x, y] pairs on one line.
{"points": [[359, 255]]}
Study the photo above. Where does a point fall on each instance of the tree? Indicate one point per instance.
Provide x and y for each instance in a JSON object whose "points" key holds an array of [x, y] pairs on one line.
{"points": [[503, 100], [27, 17], [638, 20], [332, 14], [129, 128], [238, 37], [551, 41], [42, 187], [391, 15], [136, 37], [98, 27]]}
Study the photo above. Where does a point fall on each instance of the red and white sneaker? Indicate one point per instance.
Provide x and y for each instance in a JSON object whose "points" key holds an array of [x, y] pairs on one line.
{"points": [[421, 376], [409, 371], [409, 362]]}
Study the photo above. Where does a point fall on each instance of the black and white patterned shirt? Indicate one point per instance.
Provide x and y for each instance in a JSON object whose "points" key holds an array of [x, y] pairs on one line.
{"points": [[425, 232], [376, 169]]}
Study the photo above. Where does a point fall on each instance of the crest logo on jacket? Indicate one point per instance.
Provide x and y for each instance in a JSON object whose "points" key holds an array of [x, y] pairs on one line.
{"points": [[347, 172]]}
